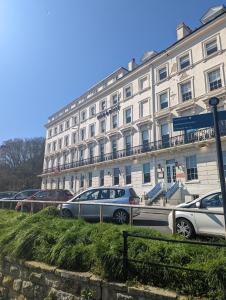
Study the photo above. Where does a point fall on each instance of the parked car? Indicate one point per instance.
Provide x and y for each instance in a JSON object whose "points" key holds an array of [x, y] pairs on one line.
{"points": [[115, 195], [190, 224], [7, 194], [45, 195], [19, 196]]}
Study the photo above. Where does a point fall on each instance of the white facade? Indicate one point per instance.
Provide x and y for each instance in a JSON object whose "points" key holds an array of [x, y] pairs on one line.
{"points": [[120, 131]]}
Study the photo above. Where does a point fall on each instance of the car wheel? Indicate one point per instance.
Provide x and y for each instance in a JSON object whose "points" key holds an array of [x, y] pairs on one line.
{"points": [[121, 216], [185, 228], [66, 213]]}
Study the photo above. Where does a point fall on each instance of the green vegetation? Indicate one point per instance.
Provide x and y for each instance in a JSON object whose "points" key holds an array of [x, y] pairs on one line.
{"points": [[80, 246]]}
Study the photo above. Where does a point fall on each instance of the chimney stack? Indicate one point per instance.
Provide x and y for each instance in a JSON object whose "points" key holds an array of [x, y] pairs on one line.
{"points": [[132, 65], [182, 31]]}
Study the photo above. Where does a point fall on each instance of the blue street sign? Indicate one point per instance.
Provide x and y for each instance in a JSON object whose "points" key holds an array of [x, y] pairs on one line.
{"points": [[197, 121]]}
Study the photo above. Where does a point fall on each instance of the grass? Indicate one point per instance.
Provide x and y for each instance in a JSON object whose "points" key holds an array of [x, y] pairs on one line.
{"points": [[80, 246]]}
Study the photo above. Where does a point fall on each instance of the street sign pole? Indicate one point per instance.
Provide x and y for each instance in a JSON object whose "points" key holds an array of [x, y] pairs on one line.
{"points": [[214, 102]]}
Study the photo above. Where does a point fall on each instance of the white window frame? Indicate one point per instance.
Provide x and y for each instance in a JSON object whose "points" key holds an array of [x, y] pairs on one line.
{"points": [[222, 75], [166, 91], [102, 120], [112, 120], [124, 91], [93, 124], [83, 111], [103, 101], [209, 40], [112, 96], [158, 80], [90, 111], [189, 53], [81, 134], [73, 120], [140, 107], [124, 114], [191, 79], [140, 80]]}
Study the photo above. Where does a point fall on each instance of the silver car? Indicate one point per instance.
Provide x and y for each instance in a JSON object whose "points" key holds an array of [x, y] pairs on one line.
{"points": [[113, 195]]}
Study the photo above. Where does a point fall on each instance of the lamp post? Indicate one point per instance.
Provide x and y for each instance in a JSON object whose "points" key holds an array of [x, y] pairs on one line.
{"points": [[213, 102]]}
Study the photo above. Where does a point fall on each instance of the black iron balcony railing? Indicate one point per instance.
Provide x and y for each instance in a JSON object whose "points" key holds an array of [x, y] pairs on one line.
{"points": [[186, 138]]}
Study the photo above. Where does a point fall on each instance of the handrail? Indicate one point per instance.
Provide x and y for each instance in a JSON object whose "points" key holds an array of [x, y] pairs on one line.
{"points": [[197, 136], [173, 189]]}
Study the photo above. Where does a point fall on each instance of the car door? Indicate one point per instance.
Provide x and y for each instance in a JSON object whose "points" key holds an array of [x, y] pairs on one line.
{"points": [[210, 223], [90, 196]]}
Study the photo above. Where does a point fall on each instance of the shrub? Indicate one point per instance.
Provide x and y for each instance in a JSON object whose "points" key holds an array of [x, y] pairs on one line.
{"points": [[80, 246]]}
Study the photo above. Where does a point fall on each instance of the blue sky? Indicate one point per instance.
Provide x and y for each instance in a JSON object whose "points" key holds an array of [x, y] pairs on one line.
{"points": [[51, 51]]}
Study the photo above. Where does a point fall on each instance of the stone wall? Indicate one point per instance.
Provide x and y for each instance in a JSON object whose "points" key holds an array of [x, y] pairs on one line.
{"points": [[31, 280]]}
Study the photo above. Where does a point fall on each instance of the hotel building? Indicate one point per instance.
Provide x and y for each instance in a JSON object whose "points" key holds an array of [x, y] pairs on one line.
{"points": [[120, 132]]}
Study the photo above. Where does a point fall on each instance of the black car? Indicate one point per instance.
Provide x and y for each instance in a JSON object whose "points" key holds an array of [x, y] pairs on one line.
{"points": [[18, 196], [7, 194]]}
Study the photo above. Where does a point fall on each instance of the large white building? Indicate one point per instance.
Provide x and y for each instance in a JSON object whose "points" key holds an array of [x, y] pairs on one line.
{"points": [[120, 131]]}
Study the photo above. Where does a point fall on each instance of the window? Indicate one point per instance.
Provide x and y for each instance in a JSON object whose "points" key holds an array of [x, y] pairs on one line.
{"points": [[83, 115], [61, 128], [66, 141], [114, 148], [214, 80], [128, 144], [114, 121], [186, 92], [74, 138], [162, 73], [114, 99], [92, 111], [81, 155], [103, 105], [82, 132], [75, 120], [191, 166], [144, 136], [214, 200], [128, 174], [184, 61], [82, 177], [67, 124], [63, 183], [128, 91], [101, 151], [92, 130], [89, 195], [143, 83], [146, 173], [91, 151], [144, 108], [101, 177], [128, 115], [55, 130], [48, 148], [54, 146], [211, 47], [116, 176], [163, 99], [165, 134], [102, 126], [50, 133], [224, 162], [90, 179], [72, 183], [60, 144]]}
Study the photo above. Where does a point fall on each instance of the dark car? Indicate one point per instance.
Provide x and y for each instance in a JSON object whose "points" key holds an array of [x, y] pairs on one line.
{"points": [[18, 196], [44, 195], [7, 194]]}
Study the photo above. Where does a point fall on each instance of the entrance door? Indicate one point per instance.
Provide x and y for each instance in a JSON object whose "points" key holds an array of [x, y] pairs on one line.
{"points": [[170, 172]]}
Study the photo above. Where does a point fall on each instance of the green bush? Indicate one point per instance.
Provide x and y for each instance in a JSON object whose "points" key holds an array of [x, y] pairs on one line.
{"points": [[80, 246]]}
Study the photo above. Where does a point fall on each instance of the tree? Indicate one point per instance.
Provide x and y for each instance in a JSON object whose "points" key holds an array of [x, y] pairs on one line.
{"points": [[21, 161]]}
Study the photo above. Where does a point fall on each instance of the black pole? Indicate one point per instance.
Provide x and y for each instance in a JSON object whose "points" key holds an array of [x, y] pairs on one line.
{"points": [[125, 255], [214, 102]]}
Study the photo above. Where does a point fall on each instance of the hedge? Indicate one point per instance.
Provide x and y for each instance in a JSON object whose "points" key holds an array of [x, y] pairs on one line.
{"points": [[80, 246]]}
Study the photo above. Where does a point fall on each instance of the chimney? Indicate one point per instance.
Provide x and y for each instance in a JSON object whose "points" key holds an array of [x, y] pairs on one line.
{"points": [[182, 31], [132, 65]]}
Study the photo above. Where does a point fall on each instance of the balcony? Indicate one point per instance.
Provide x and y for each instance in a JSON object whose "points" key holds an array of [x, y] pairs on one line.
{"points": [[166, 143]]}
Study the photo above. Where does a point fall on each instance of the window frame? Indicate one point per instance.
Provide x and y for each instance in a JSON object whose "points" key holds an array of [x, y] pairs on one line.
{"points": [[189, 53], [190, 175], [90, 111], [207, 72], [159, 99], [145, 77], [166, 66], [149, 173], [125, 110], [141, 115], [180, 90], [125, 93]]}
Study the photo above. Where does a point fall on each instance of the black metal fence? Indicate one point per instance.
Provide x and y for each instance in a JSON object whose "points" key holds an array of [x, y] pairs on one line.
{"points": [[127, 260]]}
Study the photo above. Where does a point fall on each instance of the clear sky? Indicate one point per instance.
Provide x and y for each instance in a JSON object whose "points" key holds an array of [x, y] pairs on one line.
{"points": [[51, 51]]}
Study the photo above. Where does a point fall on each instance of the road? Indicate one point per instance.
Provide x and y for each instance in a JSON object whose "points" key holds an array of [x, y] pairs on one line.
{"points": [[157, 220]]}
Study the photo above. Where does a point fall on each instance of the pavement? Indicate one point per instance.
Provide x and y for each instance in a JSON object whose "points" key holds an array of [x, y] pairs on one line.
{"points": [[156, 219]]}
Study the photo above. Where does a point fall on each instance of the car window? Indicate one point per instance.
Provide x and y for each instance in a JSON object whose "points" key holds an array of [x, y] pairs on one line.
{"points": [[29, 193], [41, 195], [68, 193], [89, 195], [20, 195], [214, 200], [104, 194], [133, 193], [116, 193]]}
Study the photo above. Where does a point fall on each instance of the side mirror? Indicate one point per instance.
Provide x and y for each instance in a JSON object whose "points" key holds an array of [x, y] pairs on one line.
{"points": [[198, 204]]}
